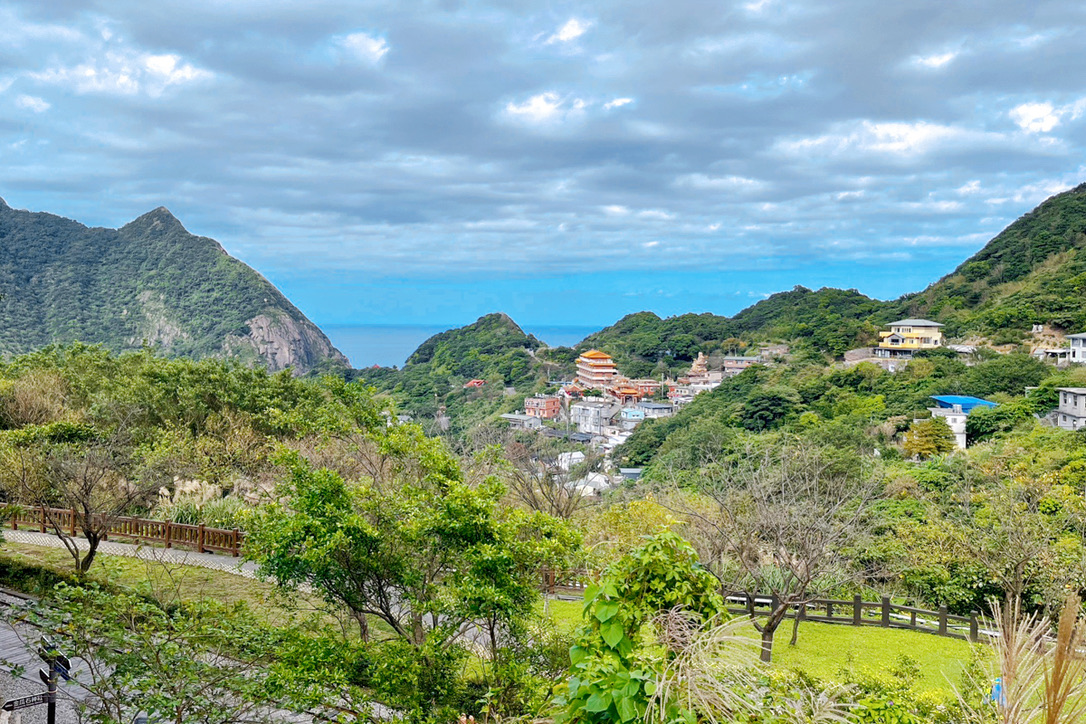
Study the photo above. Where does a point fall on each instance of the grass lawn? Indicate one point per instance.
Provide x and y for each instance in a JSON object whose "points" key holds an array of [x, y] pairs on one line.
{"points": [[173, 581], [824, 649]]}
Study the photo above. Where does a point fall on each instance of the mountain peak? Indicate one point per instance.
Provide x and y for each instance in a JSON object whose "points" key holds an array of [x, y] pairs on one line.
{"points": [[160, 220]]}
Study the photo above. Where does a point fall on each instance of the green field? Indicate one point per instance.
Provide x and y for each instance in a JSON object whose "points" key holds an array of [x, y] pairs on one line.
{"points": [[173, 581], [823, 649]]}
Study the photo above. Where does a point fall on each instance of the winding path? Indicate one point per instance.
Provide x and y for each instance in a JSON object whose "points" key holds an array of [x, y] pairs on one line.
{"points": [[224, 563]]}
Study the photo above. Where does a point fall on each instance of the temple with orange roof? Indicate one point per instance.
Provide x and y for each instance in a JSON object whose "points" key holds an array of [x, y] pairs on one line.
{"points": [[596, 370]]}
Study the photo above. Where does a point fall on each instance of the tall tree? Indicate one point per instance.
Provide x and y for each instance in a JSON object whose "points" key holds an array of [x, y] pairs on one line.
{"points": [[68, 470], [387, 544], [779, 519]]}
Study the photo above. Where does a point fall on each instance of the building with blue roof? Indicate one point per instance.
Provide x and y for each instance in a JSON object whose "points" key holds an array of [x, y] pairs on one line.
{"points": [[955, 409], [964, 402]]}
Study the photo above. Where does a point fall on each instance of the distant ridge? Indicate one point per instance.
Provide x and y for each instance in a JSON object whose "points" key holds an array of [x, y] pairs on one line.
{"points": [[1033, 272], [148, 284]]}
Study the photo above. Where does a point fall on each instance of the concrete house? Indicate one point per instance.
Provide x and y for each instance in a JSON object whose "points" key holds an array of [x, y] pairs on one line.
{"points": [[547, 407], [1071, 413], [1078, 348], [955, 410], [652, 410], [907, 336], [518, 421], [591, 416]]}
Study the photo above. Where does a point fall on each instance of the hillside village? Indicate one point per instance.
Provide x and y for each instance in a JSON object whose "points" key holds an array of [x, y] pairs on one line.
{"points": [[601, 408]]}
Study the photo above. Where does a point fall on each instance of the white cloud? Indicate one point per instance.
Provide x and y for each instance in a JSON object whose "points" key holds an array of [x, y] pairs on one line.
{"points": [[170, 69], [1036, 117], [617, 103], [125, 74], [896, 138], [5, 83], [1042, 117], [32, 103], [719, 183], [937, 60], [545, 108], [969, 189], [655, 215], [615, 210], [572, 30], [366, 47], [650, 244]]}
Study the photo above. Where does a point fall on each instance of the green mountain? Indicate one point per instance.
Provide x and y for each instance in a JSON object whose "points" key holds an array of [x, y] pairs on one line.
{"points": [[486, 346], [493, 349], [149, 283], [1034, 272]]}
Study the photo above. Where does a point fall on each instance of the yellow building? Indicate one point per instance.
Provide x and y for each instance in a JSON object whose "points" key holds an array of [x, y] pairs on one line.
{"points": [[908, 335], [595, 369]]}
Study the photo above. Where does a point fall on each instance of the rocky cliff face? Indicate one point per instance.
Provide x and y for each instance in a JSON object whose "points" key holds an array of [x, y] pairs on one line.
{"points": [[285, 342]]}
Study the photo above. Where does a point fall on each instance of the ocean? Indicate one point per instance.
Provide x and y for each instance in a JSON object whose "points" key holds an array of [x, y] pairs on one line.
{"points": [[390, 345]]}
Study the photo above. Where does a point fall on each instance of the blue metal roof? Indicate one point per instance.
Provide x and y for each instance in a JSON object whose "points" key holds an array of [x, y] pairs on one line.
{"points": [[967, 403]]}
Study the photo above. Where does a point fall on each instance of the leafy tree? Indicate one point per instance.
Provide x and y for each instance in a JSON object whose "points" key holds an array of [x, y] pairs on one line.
{"points": [[412, 544], [74, 469], [613, 676], [780, 521], [767, 408], [930, 437]]}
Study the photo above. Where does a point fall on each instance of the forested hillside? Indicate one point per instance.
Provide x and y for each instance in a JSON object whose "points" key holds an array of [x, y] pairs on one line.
{"points": [[1034, 272], [150, 283], [493, 349]]}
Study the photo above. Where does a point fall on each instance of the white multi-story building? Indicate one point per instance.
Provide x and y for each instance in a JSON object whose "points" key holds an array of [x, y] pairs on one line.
{"points": [[1078, 348], [591, 416], [1071, 413]]}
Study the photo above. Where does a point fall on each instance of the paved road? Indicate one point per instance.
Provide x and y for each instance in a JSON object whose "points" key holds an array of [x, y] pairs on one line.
{"points": [[219, 562]]}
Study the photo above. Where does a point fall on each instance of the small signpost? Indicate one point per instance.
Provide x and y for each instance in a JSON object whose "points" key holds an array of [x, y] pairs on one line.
{"points": [[59, 668]]}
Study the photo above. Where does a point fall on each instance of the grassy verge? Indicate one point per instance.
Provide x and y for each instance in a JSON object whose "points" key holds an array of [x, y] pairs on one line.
{"points": [[824, 650], [35, 569]]}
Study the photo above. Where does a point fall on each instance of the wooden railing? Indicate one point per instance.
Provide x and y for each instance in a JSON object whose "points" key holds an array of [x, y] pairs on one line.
{"points": [[197, 537], [855, 612], [883, 613]]}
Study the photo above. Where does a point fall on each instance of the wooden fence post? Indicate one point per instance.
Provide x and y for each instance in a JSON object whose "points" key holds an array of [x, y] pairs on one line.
{"points": [[857, 610], [942, 620], [169, 534], [829, 610], [237, 545], [974, 629], [43, 519], [886, 612], [773, 601], [200, 539], [72, 529]]}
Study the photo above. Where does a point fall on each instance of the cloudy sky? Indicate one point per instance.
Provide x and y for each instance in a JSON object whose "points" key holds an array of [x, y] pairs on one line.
{"points": [[411, 162]]}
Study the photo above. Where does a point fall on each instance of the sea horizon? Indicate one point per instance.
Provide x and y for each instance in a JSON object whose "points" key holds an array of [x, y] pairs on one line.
{"points": [[389, 345]]}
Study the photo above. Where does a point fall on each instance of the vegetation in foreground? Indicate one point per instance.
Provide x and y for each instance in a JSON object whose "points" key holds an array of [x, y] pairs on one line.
{"points": [[371, 514]]}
